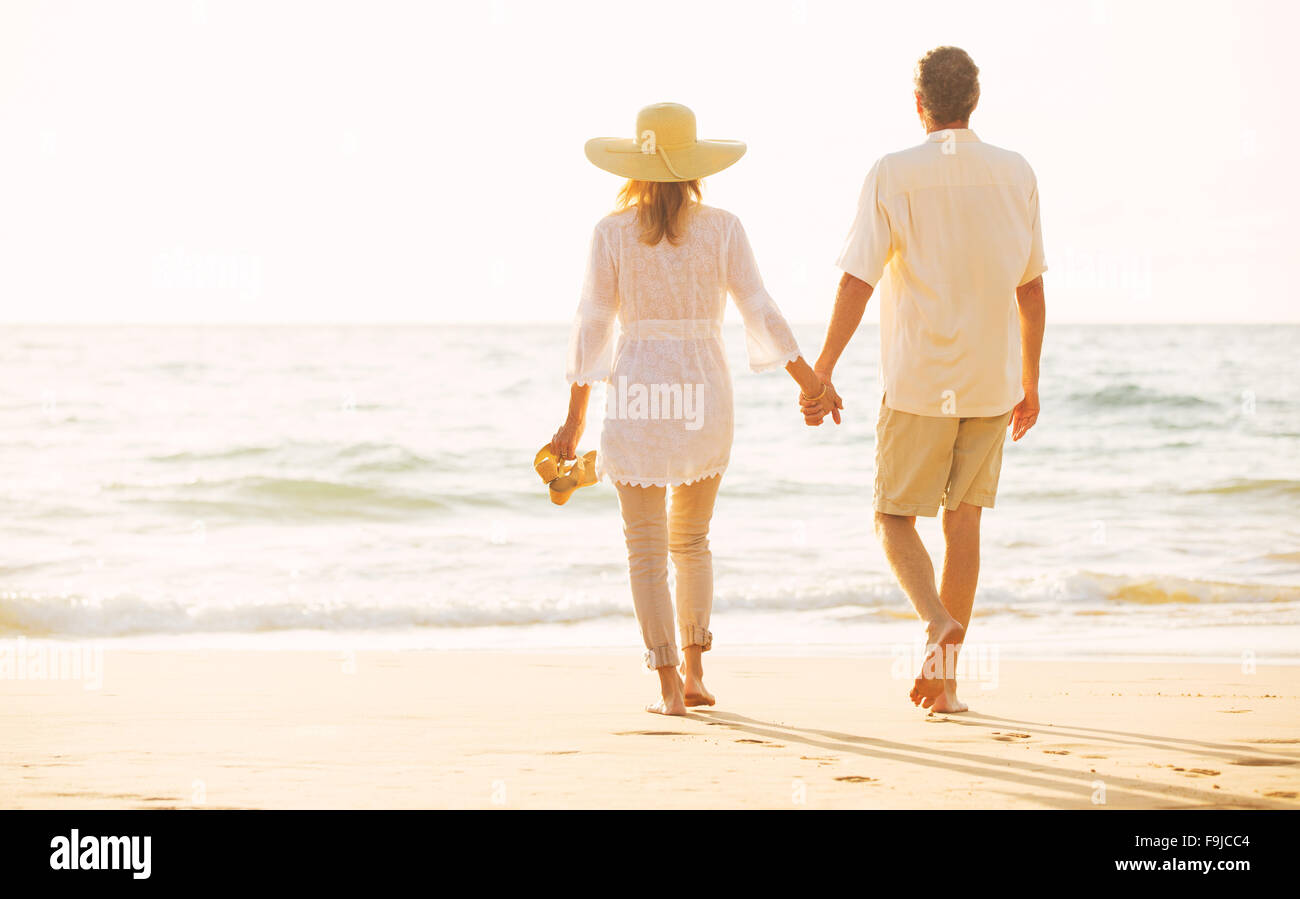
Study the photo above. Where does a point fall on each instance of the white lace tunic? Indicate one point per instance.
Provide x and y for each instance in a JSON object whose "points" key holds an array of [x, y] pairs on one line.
{"points": [[668, 409]]}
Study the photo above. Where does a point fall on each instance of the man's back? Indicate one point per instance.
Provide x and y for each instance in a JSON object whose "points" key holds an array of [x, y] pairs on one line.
{"points": [[947, 236], [945, 233]]}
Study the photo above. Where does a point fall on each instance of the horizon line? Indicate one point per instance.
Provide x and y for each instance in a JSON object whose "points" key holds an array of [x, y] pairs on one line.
{"points": [[249, 323]]}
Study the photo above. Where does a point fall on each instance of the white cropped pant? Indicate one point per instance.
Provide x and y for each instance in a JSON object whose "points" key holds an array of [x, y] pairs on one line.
{"points": [[654, 532]]}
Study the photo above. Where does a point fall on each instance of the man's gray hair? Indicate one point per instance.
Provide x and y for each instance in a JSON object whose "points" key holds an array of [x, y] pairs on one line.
{"points": [[949, 84]]}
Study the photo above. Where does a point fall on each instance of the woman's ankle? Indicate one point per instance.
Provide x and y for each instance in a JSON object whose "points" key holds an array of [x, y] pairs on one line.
{"points": [[693, 663], [670, 683]]}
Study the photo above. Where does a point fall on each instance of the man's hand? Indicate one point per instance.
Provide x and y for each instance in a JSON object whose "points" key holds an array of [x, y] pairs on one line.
{"points": [[1024, 416], [816, 410], [850, 302], [1032, 304]]}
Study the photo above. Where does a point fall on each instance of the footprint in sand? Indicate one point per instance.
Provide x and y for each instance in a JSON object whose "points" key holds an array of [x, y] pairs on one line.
{"points": [[857, 779], [1094, 756], [1263, 762], [1281, 794], [1057, 751], [1208, 772], [819, 758], [764, 742], [651, 733], [1009, 737]]}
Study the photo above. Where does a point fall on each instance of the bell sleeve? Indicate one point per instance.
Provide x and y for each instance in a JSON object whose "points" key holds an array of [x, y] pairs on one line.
{"points": [[768, 337], [591, 342]]}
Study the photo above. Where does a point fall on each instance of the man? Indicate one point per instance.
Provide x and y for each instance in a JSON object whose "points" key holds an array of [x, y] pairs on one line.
{"points": [[947, 233]]}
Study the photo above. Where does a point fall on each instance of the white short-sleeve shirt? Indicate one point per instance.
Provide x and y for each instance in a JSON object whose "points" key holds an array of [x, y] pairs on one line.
{"points": [[945, 233]]}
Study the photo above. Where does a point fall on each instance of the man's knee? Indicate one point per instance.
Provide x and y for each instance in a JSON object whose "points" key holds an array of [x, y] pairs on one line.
{"points": [[886, 521], [961, 519]]}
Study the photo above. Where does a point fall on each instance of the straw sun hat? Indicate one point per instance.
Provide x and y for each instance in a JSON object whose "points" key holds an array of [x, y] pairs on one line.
{"points": [[665, 148]]}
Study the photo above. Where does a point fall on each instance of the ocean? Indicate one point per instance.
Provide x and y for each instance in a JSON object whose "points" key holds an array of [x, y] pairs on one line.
{"points": [[364, 486]]}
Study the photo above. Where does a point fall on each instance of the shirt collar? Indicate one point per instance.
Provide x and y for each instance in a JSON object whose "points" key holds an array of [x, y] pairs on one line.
{"points": [[958, 134]]}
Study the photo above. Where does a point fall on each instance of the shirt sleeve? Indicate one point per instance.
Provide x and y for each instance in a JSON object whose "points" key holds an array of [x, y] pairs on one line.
{"points": [[870, 243], [768, 337], [1037, 264], [591, 342]]}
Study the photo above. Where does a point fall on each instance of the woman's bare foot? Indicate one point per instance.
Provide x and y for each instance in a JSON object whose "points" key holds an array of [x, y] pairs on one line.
{"points": [[948, 703], [673, 701], [693, 677], [929, 685], [696, 693], [661, 707]]}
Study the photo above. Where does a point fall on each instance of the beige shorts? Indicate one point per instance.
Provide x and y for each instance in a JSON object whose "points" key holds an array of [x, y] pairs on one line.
{"points": [[923, 461]]}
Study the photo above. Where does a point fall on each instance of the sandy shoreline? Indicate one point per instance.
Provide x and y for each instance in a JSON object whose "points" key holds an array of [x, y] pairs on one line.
{"points": [[308, 729]]}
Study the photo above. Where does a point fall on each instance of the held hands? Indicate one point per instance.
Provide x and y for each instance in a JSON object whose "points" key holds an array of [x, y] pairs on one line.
{"points": [[816, 407]]}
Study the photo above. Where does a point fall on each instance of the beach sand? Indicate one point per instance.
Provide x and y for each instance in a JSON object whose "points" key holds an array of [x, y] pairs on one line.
{"points": [[382, 729]]}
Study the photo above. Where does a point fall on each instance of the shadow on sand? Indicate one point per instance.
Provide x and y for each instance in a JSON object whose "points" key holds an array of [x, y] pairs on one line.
{"points": [[1059, 784]]}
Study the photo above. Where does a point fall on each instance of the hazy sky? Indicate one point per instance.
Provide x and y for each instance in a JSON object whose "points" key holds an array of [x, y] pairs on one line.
{"points": [[382, 161]]}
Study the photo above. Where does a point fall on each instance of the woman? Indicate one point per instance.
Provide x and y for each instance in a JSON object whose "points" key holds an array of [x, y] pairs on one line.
{"points": [[662, 265]]}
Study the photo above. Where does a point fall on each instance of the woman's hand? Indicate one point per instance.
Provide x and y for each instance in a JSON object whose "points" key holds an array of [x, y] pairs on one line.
{"points": [[817, 398], [815, 408], [565, 441]]}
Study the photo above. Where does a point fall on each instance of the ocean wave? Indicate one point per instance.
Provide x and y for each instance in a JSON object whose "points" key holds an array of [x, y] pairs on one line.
{"points": [[360, 456], [130, 615], [190, 457], [257, 495], [1127, 395], [1274, 486], [1097, 590], [1076, 593], [387, 458], [1281, 557]]}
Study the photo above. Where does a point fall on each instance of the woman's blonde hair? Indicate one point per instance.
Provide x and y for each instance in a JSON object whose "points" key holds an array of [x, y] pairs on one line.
{"points": [[661, 207]]}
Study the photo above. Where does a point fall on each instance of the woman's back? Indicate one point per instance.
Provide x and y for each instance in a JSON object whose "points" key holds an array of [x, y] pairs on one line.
{"points": [[668, 412], [666, 281]]}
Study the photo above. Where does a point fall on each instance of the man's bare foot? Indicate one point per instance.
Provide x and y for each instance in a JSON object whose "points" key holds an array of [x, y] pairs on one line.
{"points": [[673, 701], [940, 644], [947, 702]]}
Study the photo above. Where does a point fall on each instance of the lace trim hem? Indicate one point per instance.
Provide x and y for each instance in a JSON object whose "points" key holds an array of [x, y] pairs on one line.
{"points": [[668, 482], [589, 381], [780, 362]]}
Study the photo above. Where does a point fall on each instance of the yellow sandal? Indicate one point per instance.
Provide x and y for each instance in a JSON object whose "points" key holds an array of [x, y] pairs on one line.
{"points": [[564, 481], [547, 464]]}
